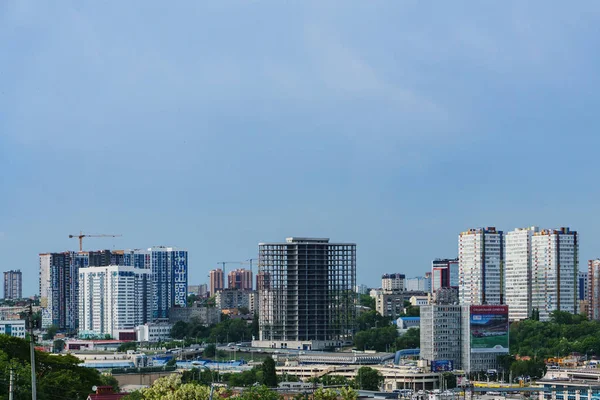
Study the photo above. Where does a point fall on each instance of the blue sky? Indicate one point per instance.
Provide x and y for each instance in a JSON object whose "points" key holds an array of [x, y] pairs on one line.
{"points": [[215, 126]]}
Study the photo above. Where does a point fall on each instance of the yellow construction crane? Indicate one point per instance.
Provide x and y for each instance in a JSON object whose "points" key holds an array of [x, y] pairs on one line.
{"points": [[82, 235]]}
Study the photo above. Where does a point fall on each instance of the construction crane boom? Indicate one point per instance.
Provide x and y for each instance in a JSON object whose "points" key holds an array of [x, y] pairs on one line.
{"points": [[82, 235]]}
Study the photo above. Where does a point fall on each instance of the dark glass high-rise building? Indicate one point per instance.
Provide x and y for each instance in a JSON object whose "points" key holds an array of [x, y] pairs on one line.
{"points": [[308, 301]]}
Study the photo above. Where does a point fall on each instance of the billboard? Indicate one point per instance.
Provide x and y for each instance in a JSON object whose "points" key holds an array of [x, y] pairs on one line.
{"points": [[489, 329], [441, 365]]}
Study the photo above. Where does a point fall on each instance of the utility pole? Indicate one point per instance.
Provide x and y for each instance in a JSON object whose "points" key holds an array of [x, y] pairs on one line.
{"points": [[11, 390], [32, 350]]}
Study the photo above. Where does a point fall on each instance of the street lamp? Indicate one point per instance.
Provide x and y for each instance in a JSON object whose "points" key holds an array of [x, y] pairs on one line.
{"points": [[212, 379]]}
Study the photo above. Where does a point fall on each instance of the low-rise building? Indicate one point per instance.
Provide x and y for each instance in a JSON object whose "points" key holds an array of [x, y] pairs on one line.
{"points": [[153, 332], [202, 313], [392, 304], [405, 323], [418, 301], [14, 328]]}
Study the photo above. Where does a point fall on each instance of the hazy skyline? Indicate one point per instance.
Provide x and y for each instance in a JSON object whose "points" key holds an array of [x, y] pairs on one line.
{"points": [[215, 126]]}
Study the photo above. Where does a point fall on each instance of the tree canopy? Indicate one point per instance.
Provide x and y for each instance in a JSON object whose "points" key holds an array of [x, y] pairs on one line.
{"points": [[564, 334], [55, 374], [368, 378]]}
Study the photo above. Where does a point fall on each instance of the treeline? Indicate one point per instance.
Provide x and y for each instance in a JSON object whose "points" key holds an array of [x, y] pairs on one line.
{"points": [[256, 384], [376, 332], [228, 330], [55, 374], [563, 335]]}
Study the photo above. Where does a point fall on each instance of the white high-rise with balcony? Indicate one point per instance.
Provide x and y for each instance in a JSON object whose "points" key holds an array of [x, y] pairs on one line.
{"points": [[480, 264], [555, 259], [517, 272], [114, 298]]}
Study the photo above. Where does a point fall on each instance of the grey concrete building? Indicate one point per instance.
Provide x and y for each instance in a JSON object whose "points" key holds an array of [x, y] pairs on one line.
{"points": [[306, 293], [13, 285], [206, 315]]}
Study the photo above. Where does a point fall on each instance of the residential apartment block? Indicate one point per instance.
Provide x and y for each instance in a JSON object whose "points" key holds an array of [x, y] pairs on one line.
{"points": [[13, 285], [517, 270], [392, 282], [593, 289], [444, 273], [555, 258], [239, 279], [234, 298], [169, 280], [480, 260], [114, 298], [217, 281]]}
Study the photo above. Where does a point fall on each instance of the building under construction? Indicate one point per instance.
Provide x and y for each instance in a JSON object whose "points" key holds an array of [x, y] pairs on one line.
{"points": [[306, 296]]}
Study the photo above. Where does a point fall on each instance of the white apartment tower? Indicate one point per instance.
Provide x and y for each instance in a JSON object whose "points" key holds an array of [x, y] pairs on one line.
{"points": [[114, 298], [480, 266], [517, 272], [555, 257], [393, 282]]}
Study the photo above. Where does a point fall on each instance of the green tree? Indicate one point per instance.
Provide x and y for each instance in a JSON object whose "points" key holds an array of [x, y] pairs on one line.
{"points": [[210, 351], [127, 346], [371, 319], [449, 380], [325, 394], [50, 332], [258, 393], [410, 340], [380, 339], [179, 330], [58, 346], [348, 393], [367, 301], [54, 374], [269, 373], [172, 362], [191, 299], [109, 380], [368, 378]]}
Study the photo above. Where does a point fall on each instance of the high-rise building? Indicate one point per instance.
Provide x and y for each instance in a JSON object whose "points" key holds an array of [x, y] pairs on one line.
{"points": [[217, 281], [59, 288], [444, 273], [306, 293], [114, 298], [480, 263], [582, 285], [517, 272], [169, 280], [392, 282], [13, 285], [555, 258], [239, 279], [361, 289], [593, 292]]}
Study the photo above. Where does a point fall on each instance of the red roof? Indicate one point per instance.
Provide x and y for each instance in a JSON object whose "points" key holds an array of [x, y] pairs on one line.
{"points": [[106, 396]]}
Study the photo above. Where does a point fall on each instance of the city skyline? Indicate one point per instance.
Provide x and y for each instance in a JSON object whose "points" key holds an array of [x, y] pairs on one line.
{"points": [[356, 117], [204, 278]]}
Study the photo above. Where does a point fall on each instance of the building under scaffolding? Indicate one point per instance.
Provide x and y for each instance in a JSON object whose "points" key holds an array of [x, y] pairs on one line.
{"points": [[306, 296]]}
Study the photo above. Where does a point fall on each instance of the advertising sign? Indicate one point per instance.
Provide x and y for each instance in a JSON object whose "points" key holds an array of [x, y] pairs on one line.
{"points": [[489, 329], [441, 366]]}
